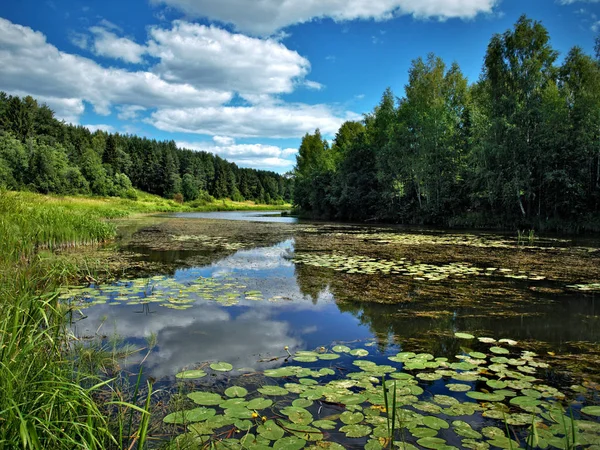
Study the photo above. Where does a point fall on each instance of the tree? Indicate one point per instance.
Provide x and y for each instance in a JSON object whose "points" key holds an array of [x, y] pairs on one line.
{"points": [[518, 67], [189, 187]]}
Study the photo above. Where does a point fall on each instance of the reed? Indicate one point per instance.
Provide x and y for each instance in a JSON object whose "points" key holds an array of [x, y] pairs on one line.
{"points": [[50, 398]]}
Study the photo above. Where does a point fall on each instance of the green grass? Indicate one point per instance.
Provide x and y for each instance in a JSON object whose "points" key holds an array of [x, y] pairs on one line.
{"points": [[51, 394]]}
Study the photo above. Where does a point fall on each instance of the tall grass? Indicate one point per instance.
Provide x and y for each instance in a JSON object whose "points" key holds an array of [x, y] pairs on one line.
{"points": [[47, 399]]}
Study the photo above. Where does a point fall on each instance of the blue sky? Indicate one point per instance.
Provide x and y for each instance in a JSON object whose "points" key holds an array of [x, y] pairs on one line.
{"points": [[247, 79]]}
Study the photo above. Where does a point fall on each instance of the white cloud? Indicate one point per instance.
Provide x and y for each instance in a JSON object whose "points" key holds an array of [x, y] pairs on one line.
{"points": [[33, 66], [265, 17], [313, 85], [199, 70], [223, 140], [210, 56], [276, 121], [100, 126], [570, 2], [80, 40], [246, 155], [129, 112], [108, 44]]}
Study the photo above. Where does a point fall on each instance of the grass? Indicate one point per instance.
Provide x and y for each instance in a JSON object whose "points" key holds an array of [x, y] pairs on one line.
{"points": [[52, 394]]}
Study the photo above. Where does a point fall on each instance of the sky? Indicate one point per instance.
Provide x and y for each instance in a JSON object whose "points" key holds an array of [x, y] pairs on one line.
{"points": [[246, 79]]}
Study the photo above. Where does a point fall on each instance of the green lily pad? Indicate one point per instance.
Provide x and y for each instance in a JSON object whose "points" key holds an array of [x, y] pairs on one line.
{"points": [[270, 430], [432, 442], [289, 443], [325, 424], [236, 391], [189, 416], [205, 398], [221, 367], [420, 432], [458, 387], [306, 359], [191, 374], [360, 352], [273, 390], [356, 431], [302, 403], [591, 410], [328, 356], [341, 349], [486, 397], [499, 351], [259, 403], [435, 423], [464, 336], [298, 415], [350, 418]]}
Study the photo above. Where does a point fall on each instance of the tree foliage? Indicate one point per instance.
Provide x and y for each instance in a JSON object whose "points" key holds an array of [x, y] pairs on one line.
{"points": [[519, 147], [40, 153]]}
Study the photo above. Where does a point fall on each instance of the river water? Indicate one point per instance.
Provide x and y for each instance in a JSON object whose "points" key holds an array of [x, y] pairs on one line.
{"points": [[252, 306]]}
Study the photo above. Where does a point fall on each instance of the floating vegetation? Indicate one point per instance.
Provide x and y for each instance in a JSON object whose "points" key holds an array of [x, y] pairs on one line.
{"points": [[465, 239], [164, 291], [489, 397], [208, 241], [421, 272], [592, 287]]}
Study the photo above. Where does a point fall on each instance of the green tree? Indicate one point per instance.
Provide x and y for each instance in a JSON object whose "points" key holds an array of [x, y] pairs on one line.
{"points": [[189, 187]]}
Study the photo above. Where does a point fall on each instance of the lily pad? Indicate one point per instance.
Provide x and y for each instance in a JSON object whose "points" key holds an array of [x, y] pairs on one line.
{"points": [[236, 391], [270, 430], [205, 398], [464, 336], [259, 403], [341, 349], [221, 367], [356, 431], [273, 390], [350, 418], [191, 374], [289, 443], [189, 416], [591, 410]]}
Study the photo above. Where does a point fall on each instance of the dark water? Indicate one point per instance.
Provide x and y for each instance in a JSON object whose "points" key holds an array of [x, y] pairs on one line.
{"points": [[297, 308]]}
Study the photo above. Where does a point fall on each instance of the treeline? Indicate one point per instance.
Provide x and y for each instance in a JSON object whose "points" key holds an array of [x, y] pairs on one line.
{"points": [[520, 147], [42, 154]]}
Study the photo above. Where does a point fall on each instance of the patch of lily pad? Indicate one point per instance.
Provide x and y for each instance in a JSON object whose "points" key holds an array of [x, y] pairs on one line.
{"points": [[164, 291], [356, 264], [481, 400]]}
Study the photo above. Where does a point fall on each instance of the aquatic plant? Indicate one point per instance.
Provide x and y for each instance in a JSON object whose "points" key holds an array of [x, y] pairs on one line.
{"points": [[494, 398]]}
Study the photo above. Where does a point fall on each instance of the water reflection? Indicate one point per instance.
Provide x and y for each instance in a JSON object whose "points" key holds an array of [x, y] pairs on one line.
{"points": [[304, 307], [245, 334], [248, 216]]}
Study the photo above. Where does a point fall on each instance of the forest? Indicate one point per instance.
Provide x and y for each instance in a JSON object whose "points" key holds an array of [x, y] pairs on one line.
{"points": [[520, 147], [42, 154]]}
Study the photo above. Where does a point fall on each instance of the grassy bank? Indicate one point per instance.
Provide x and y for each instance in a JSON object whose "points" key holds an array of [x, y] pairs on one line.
{"points": [[46, 401]]}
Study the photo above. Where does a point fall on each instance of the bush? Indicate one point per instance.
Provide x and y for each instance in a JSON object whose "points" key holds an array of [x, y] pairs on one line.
{"points": [[178, 198]]}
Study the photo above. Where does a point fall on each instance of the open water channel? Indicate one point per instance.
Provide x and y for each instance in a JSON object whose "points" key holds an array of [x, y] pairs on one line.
{"points": [[282, 336]]}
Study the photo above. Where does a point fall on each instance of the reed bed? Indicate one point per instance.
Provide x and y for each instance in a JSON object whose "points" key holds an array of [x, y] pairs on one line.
{"points": [[48, 400]]}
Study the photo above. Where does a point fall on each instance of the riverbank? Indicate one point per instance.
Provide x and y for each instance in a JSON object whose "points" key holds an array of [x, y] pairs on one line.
{"points": [[47, 399]]}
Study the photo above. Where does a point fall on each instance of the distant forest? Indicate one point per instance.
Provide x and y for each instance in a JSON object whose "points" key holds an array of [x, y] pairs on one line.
{"points": [[42, 154], [518, 148]]}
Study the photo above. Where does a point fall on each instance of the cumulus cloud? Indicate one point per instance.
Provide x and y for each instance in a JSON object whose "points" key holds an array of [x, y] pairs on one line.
{"points": [[268, 16], [209, 56], [33, 66], [246, 155], [276, 121], [129, 112], [107, 43]]}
